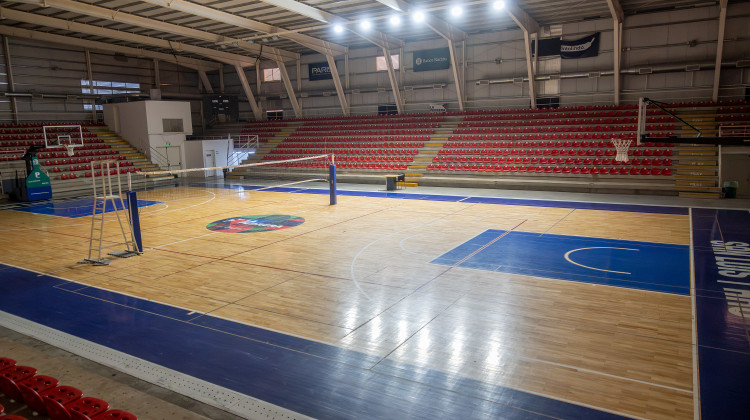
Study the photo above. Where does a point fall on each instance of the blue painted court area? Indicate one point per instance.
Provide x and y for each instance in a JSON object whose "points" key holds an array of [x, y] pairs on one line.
{"points": [[287, 371], [635, 208], [76, 208], [721, 247], [637, 265]]}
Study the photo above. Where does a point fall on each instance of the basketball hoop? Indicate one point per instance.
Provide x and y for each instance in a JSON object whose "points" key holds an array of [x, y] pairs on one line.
{"points": [[71, 149], [622, 146]]}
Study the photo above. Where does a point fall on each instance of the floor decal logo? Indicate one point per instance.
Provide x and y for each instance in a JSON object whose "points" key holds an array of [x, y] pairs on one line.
{"points": [[255, 223]]}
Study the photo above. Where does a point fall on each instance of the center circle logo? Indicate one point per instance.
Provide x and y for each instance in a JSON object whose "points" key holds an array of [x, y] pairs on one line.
{"points": [[255, 223], [419, 61]]}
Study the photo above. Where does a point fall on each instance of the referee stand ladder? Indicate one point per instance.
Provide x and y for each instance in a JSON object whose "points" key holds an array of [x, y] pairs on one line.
{"points": [[109, 197]]}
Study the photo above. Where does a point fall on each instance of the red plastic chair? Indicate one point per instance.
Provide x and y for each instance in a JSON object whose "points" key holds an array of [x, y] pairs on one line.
{"points": [[10, 377], [115, 414], [56, 398], [31, 389], [6, 363], [87, 407]]}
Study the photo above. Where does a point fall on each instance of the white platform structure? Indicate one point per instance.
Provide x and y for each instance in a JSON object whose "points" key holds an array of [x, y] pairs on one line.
{"points": [[157, 129]]}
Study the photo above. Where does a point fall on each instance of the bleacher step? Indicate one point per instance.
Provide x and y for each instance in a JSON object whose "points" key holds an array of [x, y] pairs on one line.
{"points": [[707, 195]]}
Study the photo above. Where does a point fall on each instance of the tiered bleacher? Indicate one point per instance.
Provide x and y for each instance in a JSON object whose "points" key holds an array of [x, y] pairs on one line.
{"points": [[264, 129], [557, 142], [44, 395], [15, 139], [368, 142]]}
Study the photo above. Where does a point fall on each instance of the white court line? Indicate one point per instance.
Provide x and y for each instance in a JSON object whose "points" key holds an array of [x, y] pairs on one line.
{"points": [[184, 240], [696, 369], [354, 260], [687, 391], [567, 258]]}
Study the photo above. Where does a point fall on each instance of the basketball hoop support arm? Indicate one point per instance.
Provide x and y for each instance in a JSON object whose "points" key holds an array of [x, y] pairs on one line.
{"points": [[656, 104]]}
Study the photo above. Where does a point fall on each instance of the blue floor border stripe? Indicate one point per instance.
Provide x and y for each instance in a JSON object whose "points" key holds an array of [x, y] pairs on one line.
{"points": [[287, 371], [721, 250], [636, 208]]}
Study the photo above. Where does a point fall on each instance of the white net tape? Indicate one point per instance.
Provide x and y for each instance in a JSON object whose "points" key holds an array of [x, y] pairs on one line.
{"points": [[233, 167], [622, 146]]}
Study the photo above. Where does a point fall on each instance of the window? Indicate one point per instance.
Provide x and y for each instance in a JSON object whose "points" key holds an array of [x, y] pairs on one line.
{"points": [[381, 64], [271, 75], [172, 125], [103, 87]]}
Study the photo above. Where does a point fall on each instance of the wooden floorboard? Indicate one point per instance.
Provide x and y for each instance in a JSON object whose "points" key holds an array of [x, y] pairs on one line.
{"points": [[359, 276]]}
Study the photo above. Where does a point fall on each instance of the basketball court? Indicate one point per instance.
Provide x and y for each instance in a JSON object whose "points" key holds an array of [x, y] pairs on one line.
{"points": [[425, 304]]}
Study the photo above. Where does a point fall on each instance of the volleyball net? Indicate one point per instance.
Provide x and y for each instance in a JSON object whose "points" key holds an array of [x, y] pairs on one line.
{"points": [[317, 172]]}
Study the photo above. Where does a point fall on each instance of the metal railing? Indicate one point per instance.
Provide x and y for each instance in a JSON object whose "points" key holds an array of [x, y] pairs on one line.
{"points": [[162, 159], [734, 130], [242, 146]]}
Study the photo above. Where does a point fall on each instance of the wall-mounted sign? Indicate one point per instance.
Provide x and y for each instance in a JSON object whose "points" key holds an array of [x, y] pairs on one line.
{"points": [[436, 59], [319, 71], [579, 48]]}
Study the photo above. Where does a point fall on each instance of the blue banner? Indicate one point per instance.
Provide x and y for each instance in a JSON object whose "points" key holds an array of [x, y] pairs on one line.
{"points": [[580, 48], [319, 71], [437, 59]]}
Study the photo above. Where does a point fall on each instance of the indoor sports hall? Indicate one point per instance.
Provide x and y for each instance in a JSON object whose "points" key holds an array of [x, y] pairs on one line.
{"points": [[386, 209]]}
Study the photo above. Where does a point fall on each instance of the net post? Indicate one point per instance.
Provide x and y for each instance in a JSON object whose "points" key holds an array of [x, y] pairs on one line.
{"points": [[135, 220], [332, 182]]}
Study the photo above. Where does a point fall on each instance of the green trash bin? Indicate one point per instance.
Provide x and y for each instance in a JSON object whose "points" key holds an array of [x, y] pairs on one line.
{"points": [[730, 189]]}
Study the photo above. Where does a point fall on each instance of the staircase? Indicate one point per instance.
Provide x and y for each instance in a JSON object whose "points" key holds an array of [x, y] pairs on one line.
{"points": [[696, 170], [124, 148], [264, 148], [417, 168]]}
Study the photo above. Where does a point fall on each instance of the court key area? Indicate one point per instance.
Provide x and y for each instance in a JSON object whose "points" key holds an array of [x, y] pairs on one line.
{"points": [[398, 305]]}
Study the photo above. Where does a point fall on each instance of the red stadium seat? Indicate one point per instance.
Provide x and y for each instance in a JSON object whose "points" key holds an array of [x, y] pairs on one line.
{"points": [[11, 376], [31, 389], [86, 407], [115, 415], [55, 400]]}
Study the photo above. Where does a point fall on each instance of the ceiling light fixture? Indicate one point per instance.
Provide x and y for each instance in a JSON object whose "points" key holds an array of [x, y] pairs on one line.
{"points": [[395, 20], [418, 16], [498, 5], [338, 29], [366, 25], [457, 11]]}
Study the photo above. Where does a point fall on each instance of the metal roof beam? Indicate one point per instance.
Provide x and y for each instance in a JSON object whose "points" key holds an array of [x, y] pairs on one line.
{"points": [[719, 49], [378, 38], [522, 19], [190, 63], [257, 112], [303, 9], [315, 44], [67, 25], [117, 16], [616, 10], [399, 5]]}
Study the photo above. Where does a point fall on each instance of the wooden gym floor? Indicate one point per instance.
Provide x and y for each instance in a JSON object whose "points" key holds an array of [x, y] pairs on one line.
{"points": [[384, 307]]}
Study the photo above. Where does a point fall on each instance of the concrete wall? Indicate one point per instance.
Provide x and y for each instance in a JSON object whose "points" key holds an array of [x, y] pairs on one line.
{"points": [[51, 74], [140, 124], [677, 37], [196, 154], [735, 167]]}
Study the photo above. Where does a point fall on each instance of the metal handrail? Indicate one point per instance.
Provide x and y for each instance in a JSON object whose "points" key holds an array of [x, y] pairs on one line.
{"points": [[242, 144], [734, 130], [161, 160]]}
